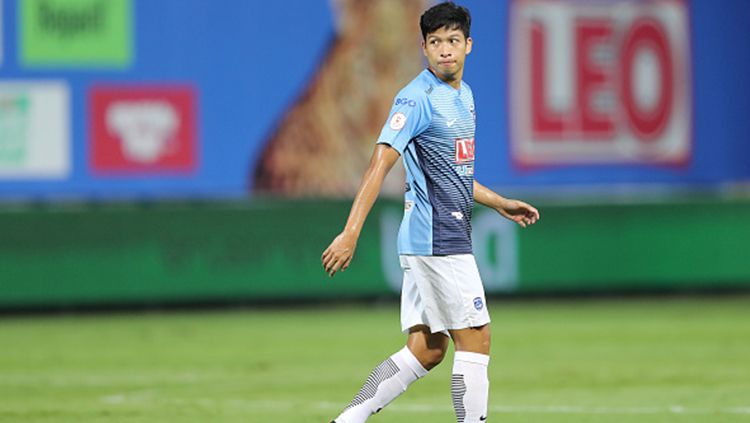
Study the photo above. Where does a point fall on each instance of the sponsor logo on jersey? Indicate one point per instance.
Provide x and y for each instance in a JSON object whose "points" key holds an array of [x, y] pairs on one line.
{"points": [[458, 215], [406, 102], [478, 303], [600, 82], [398, 121], [464, 150], [465, 170]]}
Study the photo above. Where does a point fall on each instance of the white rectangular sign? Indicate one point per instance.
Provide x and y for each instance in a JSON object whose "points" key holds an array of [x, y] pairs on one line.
{"points": [[34, 130], [595, 82]]}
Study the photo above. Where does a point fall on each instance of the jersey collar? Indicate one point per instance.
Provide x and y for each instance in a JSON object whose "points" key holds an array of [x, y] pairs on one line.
{"points": [[441, 82]]}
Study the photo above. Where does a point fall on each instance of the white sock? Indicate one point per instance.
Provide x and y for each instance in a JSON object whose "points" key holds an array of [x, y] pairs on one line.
{"points": [[386, 382], [470, 386]]}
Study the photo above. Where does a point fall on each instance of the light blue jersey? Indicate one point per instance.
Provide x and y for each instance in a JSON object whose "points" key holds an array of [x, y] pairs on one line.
{"points": [[432, 126]]}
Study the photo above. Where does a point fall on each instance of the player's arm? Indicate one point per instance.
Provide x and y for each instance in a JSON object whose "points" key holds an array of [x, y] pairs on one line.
{"points": [[339, 254], [522, 213]]}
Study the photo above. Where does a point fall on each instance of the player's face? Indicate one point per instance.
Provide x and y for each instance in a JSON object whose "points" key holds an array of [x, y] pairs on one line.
{"points": [[446, 51]]}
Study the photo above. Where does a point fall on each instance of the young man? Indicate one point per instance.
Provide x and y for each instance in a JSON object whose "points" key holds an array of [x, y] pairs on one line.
{"points": [[431, 126]]}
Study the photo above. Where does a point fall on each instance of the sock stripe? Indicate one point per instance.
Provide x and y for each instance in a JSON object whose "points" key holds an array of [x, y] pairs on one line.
{"points": [[458, 390], [380, 374]]}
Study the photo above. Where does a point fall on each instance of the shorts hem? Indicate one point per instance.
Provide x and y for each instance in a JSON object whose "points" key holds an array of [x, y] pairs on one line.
{"points": [[467, 325], [444, 328]]}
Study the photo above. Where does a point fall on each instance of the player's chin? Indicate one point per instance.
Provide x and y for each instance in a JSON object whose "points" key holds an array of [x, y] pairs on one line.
{"points": [[448, 76], [447, 72]]}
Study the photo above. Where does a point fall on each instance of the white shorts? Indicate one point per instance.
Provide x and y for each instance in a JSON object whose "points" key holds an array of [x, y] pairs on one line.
{"points": [[442, 292]]}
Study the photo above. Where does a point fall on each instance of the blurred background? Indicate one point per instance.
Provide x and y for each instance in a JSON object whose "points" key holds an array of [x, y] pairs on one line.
{"points": [[187, 151], [197, 154]]}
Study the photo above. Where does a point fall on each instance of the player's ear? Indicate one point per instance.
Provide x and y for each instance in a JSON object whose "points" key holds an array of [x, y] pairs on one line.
{"points": [[424, 48], [469, 43]]}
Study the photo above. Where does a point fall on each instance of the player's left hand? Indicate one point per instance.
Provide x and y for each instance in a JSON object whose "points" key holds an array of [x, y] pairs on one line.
{"points": [[522, 213], [339, 254]]}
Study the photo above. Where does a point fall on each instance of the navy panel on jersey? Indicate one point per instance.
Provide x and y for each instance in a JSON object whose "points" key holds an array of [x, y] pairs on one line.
{"points": [[434, 132]]}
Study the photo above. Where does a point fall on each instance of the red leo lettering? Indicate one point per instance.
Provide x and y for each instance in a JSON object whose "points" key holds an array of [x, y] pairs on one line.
{"points": [[647, 33], [545, 121], [464, 150], [594, 82], [592, 77]]}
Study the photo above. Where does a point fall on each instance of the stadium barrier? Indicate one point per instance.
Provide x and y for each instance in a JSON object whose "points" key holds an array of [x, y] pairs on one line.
{"points": [[270, 250]]}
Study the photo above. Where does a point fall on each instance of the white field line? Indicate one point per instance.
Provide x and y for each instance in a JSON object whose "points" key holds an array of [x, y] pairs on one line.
{"points": [[149, 395], [98, 380], [574, 409]]}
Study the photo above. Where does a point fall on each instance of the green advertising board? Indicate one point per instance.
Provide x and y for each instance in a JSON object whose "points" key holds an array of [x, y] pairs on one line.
{"points": [[270, 250], [76, 33]]}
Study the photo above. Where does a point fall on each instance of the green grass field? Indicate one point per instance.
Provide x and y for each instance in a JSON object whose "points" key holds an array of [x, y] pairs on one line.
{"points": [[655, 360]]}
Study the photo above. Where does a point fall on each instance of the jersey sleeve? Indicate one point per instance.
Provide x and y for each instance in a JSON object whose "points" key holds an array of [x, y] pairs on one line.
{"points": [[410, 116]]}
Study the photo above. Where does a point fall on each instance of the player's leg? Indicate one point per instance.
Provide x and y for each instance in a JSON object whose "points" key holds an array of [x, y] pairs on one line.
{"points": [[454, 299], [423, 351], [469, 383], [429, 348]]}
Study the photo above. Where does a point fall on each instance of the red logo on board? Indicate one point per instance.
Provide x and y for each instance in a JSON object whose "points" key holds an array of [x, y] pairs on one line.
{"points": [[142, 129]]}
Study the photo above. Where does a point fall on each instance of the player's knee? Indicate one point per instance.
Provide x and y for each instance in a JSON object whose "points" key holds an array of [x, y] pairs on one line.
{"points": [[473, 339], [431, 357], [484, 337], [485, 346]]}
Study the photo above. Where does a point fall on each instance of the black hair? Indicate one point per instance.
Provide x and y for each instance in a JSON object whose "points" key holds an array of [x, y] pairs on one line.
{"points": [[445, 15]]}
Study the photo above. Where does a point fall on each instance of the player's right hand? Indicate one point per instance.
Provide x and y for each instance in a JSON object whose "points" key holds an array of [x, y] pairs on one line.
{"points": [[339, 254]]}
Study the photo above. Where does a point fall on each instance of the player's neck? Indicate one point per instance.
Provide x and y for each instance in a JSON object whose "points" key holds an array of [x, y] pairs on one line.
{"points": [[455, 82]]}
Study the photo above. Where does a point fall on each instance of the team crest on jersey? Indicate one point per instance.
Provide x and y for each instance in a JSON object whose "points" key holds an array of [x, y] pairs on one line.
{"points": [[464, 150]]}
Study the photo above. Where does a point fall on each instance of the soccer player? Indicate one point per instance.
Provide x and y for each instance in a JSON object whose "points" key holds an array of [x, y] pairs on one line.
{"points": [[431, 125]]}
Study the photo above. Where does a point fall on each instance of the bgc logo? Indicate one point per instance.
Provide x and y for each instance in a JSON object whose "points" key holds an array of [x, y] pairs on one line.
{"points": [[405, 101], [600, 82]]}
